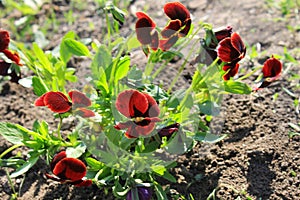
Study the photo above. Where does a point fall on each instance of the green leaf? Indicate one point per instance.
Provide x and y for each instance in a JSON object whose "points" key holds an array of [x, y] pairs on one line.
{"points": [[65, 55], [25, 167], [39, 87], [208, 137], [102, 81], [236, 87], [94, 164], [77, 151], [133, 43], [118, 14], [11, 133], [102, 59], [76, 48], [209, 108], [160, 193], [42, 58], [11, 162], [122, 68]]}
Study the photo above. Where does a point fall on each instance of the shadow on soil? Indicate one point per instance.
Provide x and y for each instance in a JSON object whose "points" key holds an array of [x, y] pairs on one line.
{"points": [[259, 175]]}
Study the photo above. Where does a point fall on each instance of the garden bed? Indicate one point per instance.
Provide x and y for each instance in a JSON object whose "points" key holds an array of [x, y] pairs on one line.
{"points": [[257, 160]]}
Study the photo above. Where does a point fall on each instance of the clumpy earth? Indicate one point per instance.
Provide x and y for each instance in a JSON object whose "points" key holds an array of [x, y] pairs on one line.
{"points": [[257, 160]]}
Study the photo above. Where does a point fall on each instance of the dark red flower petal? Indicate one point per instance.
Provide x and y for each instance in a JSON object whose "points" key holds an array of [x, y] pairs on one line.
{"points": [[83, 112], [142, 15], [79, 99], [144, 28], [57, 102], [58, 157], [187, 28], [40, 101], [70, 169], [272, 68], [154, 40], [165, 45], [5, 71], [226, 52], [171, 28], [176, 10], [153, 109], [138, 128], [233, 70], [143, 130], [223, 33], [14, 56], [168, 130], [123, 125], [4, 40], [82, 183], [132, 103], [238, 44], [143, 31], [4, 67]]}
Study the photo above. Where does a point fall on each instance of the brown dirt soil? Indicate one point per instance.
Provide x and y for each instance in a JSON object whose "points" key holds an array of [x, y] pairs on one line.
{"points": [[257, 160]]}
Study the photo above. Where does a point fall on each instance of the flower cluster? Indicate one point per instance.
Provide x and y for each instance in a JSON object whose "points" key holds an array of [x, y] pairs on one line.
{"points": [[178, 26], [13, 56], [142, 111], [68, 170], [59, 103]]}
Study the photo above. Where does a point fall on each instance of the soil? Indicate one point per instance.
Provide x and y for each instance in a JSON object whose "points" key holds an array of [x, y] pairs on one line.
{"points": [[257, 160]]}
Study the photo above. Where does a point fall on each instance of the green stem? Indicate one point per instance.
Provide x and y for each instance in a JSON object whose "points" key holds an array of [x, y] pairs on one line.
{"points": [[181, 68], [59, 127], [10, 182], [157, 138], [150, 66], [185, 97], [113, 70], [10, 149], [108, 27], [249, 74], [162, 67]]}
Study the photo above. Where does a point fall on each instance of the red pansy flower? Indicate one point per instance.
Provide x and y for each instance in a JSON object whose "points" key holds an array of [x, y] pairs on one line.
{"points": [[59, 103], [145, 30], [68, 170], [178, 26], [4, 42], [271, 71], [223, 33], [168, 131], [208, 51], [141, 108], [231, 50]]}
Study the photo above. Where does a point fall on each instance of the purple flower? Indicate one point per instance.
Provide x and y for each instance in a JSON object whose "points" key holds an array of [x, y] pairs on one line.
{"points": [[144, 193]]}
